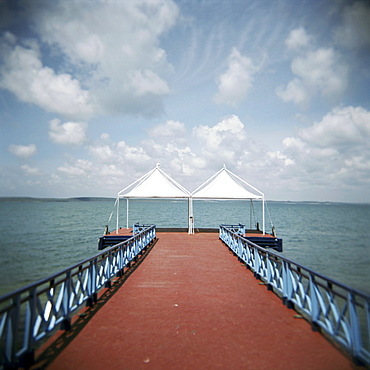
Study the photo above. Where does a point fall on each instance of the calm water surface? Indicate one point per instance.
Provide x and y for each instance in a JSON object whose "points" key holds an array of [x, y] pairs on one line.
{"points": [[38, 238]]}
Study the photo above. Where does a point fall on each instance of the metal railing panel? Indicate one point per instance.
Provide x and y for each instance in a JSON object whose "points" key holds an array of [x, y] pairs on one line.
{"points": [[341, 312], [32, 313]]}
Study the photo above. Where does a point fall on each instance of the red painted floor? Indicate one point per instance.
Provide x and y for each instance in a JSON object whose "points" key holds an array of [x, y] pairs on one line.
{"points": [[192, 305]]}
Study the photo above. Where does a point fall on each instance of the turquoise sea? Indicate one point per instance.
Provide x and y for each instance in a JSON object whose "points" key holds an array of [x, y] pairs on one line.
{"points": [[41, 237]]}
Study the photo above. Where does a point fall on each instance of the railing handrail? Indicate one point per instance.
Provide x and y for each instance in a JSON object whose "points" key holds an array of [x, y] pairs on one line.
{"points": [[343, 315], [54, 276], [33, 312], [288, 260]]}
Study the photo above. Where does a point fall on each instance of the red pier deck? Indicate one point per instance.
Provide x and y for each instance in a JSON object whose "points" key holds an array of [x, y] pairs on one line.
{"points": [[192, 305]]}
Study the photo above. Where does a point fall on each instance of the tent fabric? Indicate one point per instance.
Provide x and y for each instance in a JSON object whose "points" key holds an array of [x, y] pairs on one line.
{"points": [[226, 185], [155, 184]]}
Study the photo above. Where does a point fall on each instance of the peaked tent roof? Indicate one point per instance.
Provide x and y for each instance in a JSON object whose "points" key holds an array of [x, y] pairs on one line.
{"points": [[226, 185], [154, 184]]}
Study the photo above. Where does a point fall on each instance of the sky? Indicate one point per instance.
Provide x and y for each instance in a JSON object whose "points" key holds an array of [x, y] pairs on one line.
{"points": [[93, 94]]}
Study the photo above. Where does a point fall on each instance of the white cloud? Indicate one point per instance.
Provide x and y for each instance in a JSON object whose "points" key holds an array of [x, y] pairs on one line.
{"points": [[23, 151], [297, 39], [342, 127], [321, 71], [33, 171], [235, 84], [333, 152], [170, 131], [79, 168], [293, 143], [104, 136], [103, 153], [115, 163], [68, 133], [87, 34], [294, 92], [354, 32], [359, 163], [131, 154], [223, 142], [118, 153], [54, 179], [281, 157], [318, 72], [147, 82], [23, 73], [115, 48]]}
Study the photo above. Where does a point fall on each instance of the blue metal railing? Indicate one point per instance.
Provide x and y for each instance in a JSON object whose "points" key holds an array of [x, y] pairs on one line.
{"points": [[237, 229], [137, 228], [34, 312], [340, 312]]}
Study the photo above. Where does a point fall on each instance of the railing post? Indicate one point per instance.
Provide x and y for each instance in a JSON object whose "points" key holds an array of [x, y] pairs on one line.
{"points": [[30, 319], [92, 283], [257, 264], [355, 328], [13, 321], [287, 285], [66, 323], [28, 358], [315, 307], [268, 272], [240, 248], [108, 270]]}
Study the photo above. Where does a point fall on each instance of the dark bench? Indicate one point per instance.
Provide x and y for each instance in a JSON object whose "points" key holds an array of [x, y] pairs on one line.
{"points": [[110, 240], [274, 243]]}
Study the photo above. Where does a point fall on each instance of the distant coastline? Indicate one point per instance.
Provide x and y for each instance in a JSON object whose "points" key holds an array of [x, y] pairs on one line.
{"points": [[75, 199], [94, 199]]}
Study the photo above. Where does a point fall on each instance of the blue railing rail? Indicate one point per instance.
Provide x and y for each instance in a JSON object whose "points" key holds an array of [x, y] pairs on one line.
{"points": [[340, 312], [34, 312], [137, 228], [237, 229]]}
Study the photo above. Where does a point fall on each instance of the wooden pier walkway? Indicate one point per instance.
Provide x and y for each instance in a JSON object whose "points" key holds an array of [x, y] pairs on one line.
{"points": [[192, 305]]}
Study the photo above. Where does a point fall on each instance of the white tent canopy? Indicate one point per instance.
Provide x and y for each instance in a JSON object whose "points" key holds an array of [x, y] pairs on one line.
{"points": [[222, 185], [226, 185], [154, 184]]}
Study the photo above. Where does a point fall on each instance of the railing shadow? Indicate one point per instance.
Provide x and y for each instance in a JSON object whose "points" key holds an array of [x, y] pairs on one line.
{"points": [[45, 356]]}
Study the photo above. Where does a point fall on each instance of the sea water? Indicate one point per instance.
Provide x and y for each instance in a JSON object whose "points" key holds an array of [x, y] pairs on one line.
{"points": [[41, 237]]}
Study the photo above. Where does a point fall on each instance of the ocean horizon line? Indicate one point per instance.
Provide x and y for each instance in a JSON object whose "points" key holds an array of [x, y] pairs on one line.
{"points": [[103, 198]]}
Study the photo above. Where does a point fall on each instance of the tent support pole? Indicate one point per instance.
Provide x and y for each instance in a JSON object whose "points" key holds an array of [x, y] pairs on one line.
{"points": [[127, 213], [250, 214], [189, 227], [117, 223], [263, 215], [190, 216]]}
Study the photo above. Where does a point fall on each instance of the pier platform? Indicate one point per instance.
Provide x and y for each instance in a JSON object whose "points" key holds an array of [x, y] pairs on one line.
{"points": [[191, 304]]}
